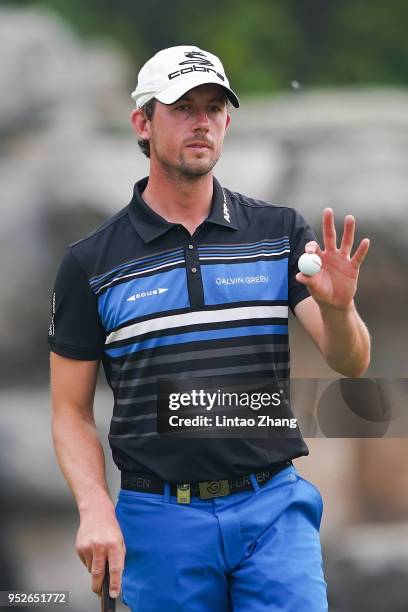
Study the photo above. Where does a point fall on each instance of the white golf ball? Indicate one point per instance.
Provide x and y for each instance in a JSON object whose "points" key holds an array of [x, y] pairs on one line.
{"points": [[310, 264]]}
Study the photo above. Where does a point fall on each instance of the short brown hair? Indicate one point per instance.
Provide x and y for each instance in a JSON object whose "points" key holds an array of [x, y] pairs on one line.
{"points": [[148, 110]]}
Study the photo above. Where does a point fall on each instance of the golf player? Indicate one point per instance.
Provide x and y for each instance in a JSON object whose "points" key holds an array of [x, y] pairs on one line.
{"points": [[194, 281]]}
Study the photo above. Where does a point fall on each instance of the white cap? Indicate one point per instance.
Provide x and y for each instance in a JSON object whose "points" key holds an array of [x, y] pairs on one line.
{"points": [[172, 72]]}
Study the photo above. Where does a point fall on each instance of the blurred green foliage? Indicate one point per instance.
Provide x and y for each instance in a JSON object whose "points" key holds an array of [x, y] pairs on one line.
{"points": [[265, 44]]}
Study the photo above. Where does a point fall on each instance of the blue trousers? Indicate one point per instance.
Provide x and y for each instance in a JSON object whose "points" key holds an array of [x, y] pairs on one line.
{"points": [[254, 551]]}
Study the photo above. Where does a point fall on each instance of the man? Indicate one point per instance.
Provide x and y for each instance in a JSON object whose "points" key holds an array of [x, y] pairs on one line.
{"points": [[194, 280]]}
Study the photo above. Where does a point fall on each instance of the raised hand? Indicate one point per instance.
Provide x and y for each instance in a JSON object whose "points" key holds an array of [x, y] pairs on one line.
{"points": [[336, 283]]}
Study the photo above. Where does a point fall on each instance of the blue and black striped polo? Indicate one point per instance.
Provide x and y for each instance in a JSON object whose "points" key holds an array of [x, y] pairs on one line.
{"points": [[149, 300]]}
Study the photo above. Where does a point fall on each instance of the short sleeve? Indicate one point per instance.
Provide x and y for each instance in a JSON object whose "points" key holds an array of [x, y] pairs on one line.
{"points": [[300, 234], [75, 329]]}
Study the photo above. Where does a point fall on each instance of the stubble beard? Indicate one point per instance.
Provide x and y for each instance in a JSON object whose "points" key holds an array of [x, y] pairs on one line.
{"points": [[190, 171], [185, 170]]}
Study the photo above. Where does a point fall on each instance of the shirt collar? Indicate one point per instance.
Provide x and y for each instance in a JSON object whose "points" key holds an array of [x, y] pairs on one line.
{"points": [[222, 210], [151, 225]]}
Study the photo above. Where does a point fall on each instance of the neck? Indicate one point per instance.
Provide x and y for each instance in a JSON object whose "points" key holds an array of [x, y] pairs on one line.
{"points": [[178, 199]]}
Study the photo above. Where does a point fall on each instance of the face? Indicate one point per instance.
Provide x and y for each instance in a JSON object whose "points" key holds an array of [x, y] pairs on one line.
{"points": [[186, 137]]}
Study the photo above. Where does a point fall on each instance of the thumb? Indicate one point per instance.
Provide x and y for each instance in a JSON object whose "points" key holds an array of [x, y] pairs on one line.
{"points": [[302, 278]]}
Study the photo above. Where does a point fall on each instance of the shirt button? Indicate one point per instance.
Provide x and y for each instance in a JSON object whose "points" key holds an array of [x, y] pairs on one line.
{"points": [[194, 270], [191, 247]]}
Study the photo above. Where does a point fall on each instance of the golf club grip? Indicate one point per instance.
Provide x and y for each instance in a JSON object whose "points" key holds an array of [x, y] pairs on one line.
{"points": [[107, 603]]}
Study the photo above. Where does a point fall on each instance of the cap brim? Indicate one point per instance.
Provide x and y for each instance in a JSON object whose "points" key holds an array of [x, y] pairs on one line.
{"points": [[175, 90]]}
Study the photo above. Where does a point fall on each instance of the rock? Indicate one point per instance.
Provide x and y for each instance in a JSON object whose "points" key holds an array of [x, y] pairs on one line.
{"points": [[69, 159], [366, 568]]}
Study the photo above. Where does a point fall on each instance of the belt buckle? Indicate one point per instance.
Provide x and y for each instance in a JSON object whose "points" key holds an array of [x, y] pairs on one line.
{"points": [[183, 494], [213, 488]]}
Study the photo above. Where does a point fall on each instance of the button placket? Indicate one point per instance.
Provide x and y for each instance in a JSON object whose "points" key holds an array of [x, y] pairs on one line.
{"points": [[193, 274], [192, 257]]}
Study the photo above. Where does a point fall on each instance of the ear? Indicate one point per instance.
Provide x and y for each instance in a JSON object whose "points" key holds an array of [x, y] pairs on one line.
{"points": [[140, 123], [227, 121]]}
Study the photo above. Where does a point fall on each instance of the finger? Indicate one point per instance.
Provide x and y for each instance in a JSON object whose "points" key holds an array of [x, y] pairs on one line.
{"points": [[329, 231], [361, 253], [86, 559], [88, 563], [83, 558], [304, 279], [313, 247], [348, 234], [98, 569], [116, 563]]}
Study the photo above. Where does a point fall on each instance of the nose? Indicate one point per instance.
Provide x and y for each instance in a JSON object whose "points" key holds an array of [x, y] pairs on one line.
{"points": [[201, 119]]}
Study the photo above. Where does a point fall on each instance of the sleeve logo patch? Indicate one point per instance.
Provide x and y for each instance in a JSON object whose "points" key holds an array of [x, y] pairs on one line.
{"points": [[51, 328]]}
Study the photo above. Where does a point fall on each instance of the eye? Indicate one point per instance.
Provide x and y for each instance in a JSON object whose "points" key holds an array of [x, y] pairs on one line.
{"points": [[183, 107], [215, 109]]}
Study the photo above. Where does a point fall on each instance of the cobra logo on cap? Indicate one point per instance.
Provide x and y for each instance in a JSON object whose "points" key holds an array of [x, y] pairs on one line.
{"points": [[196, 57], [199, 63]]}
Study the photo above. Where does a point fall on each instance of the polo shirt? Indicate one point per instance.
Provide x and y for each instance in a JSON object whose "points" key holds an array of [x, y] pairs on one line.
{"points": [[149, 300]]}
